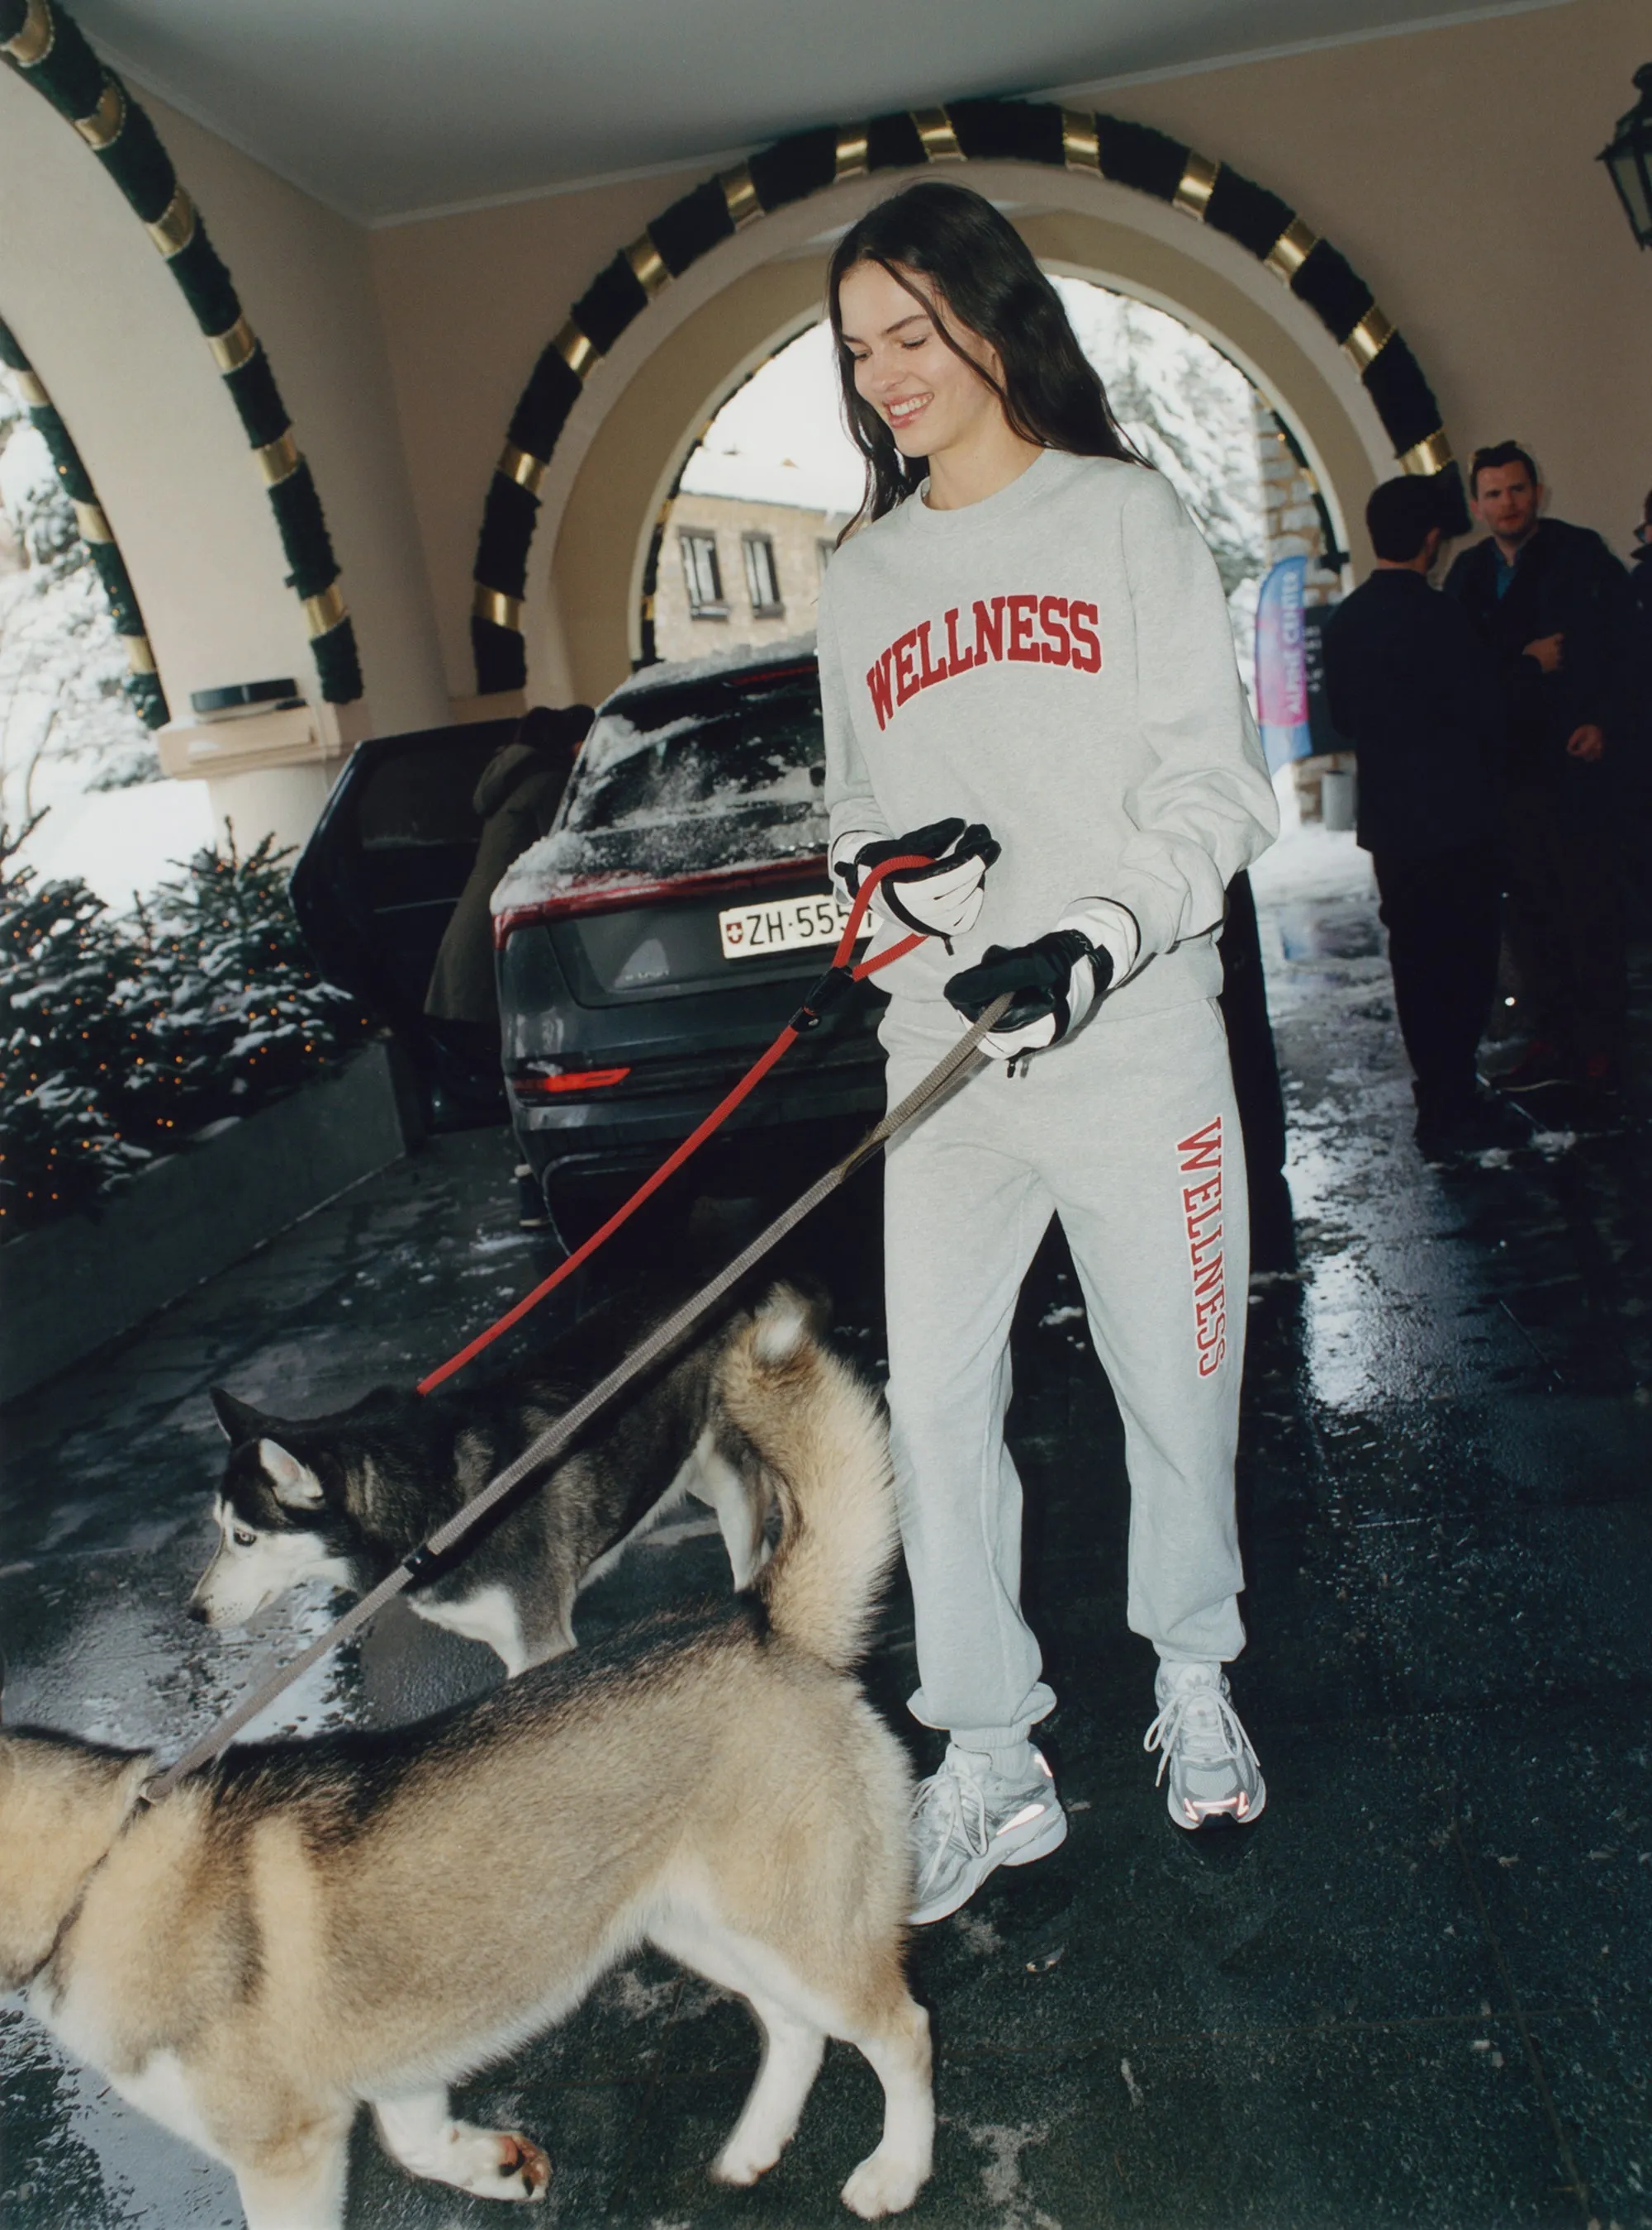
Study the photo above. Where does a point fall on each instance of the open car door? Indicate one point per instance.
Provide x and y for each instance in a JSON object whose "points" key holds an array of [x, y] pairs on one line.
{"points": [[375, 886]]}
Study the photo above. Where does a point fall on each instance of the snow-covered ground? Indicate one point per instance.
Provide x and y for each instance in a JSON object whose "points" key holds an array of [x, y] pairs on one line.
{"points": [[1309, 861]]}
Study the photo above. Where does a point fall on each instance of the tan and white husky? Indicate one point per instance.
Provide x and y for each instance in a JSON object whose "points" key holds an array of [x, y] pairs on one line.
{"points": [[368, 1917]]}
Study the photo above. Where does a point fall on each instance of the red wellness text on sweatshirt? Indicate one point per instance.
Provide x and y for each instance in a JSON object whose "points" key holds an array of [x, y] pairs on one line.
{"points": [[1035, 630]]}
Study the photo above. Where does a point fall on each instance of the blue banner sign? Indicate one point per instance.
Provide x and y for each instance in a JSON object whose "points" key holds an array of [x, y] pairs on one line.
{"points": [[1282, 665]]}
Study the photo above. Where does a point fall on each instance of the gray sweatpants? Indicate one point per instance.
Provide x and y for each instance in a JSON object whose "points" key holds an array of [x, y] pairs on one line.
{"points": [[1130, 1134]]}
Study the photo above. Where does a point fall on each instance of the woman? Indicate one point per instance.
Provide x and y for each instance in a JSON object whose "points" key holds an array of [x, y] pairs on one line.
{"points": [[1026, 668]]}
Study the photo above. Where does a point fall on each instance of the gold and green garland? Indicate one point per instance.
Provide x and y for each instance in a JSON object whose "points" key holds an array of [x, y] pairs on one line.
{"points": [[49, 51], [1133, 155], [143, 683]]}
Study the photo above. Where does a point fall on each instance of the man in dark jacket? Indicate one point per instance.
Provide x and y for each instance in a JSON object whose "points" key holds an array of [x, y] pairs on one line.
{"points": [[1414, 686], [1641, 658], [1557, 604], [1641, 571]]}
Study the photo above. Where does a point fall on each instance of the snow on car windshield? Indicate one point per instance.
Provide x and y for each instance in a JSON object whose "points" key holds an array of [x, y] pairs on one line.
{"points": [[680, 777], [663, 757]]}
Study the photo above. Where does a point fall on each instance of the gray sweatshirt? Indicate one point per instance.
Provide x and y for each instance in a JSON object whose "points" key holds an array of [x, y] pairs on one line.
{"points": [[1056, 662]]}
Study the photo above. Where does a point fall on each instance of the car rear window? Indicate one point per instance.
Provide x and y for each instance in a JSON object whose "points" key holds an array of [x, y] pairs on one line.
{"points": [[674, 753]]}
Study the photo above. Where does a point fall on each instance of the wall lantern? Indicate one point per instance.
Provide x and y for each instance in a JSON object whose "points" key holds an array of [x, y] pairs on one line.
{"points": [[1630, 159]]}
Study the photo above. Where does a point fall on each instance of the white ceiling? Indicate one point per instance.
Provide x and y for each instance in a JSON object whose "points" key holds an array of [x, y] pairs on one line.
{"points": [[384, 108]]}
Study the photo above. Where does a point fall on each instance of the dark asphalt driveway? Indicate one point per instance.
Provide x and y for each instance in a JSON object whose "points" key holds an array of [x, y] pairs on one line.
{"points": [[1419, 1994]]}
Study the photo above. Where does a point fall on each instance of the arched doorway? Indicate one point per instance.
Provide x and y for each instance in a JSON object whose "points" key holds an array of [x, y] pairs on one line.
{"points": [[737, 554], [621, 394], [615, 502]]}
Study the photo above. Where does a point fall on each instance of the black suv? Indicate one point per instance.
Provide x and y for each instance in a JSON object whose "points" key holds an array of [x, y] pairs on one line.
{"points": [[648, 949], [655, 943], [659, 937]]}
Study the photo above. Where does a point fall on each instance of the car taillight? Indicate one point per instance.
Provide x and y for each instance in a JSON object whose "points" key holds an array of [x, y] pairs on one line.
{"points": [[572, 1079], [602, 896]]}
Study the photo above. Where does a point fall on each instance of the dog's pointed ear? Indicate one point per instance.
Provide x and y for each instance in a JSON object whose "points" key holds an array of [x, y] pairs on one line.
{"points": [[238, 1422], [296, 1485]]}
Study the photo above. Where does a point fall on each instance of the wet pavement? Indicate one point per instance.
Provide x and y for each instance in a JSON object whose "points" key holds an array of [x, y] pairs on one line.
{"points": [[1417, 1993]]}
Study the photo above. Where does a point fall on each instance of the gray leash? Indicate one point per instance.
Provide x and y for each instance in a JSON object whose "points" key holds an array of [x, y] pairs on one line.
{"points": [[964, 1055]]}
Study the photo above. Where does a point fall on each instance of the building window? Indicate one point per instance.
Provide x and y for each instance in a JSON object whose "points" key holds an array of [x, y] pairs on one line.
{"points": [[702, 575], [761, 578]]}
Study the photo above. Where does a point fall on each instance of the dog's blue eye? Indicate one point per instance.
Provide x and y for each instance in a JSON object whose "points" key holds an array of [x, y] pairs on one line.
{"points": [[244, 1539]]}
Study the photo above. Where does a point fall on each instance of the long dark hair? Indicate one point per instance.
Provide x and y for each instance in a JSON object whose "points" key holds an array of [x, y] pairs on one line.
{"points": [[985, 275]]}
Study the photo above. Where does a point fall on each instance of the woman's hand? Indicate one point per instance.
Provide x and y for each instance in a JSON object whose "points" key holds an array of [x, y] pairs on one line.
{"points": [[1054, 983], [941, 899]]}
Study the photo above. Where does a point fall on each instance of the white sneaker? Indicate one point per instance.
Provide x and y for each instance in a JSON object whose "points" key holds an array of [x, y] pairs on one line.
{"points": [[1215, 1778], [965, 1822]]}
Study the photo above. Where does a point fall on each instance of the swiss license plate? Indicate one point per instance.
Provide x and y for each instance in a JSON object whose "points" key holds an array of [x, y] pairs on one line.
{"points": [[750, 932]]}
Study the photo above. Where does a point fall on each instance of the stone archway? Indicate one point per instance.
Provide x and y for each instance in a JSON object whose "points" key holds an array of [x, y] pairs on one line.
{"points": [[730, 269]]}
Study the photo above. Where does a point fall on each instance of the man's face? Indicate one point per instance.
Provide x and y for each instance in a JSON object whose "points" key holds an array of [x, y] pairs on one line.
{"points": [[1505, 501]]}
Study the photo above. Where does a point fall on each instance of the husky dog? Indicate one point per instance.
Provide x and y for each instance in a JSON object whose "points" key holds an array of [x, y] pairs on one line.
{"points": [[370, 1916], [345, 1498]]}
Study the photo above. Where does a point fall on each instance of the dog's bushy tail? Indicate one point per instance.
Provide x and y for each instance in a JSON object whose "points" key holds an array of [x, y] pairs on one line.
{"points": [[819, 1430]]}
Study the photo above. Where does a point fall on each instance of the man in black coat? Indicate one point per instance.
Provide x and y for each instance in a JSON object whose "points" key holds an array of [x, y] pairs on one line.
{"points": [[1558, 606], [1640, 568], [1415, 687]]}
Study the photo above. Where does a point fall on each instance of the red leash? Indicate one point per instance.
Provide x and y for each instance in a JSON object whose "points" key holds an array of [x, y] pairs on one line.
{"points": [[832, 985]]}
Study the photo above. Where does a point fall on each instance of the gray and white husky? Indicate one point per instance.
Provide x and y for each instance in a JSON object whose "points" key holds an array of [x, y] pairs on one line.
{"points": [[304, 1927], [345, 1498]]}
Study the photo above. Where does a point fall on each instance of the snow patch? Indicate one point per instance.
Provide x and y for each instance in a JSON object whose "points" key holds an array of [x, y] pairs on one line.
{"points": [[565, 857], [1002, 2180], [1553, 1143], [629, 1995], [636, 2000], [1311, 861], [981, 1938], [671, 673]]}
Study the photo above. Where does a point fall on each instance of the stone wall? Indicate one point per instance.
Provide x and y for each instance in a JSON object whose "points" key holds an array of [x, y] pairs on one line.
{"points": [[1295, 527]]}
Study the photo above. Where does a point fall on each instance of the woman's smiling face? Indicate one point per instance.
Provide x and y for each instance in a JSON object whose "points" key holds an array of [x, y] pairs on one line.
{"points": [[930, 398]]}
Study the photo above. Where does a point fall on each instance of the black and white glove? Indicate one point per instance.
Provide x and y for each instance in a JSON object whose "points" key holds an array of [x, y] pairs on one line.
{"points": [[942, 899], [1054, 983]]}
